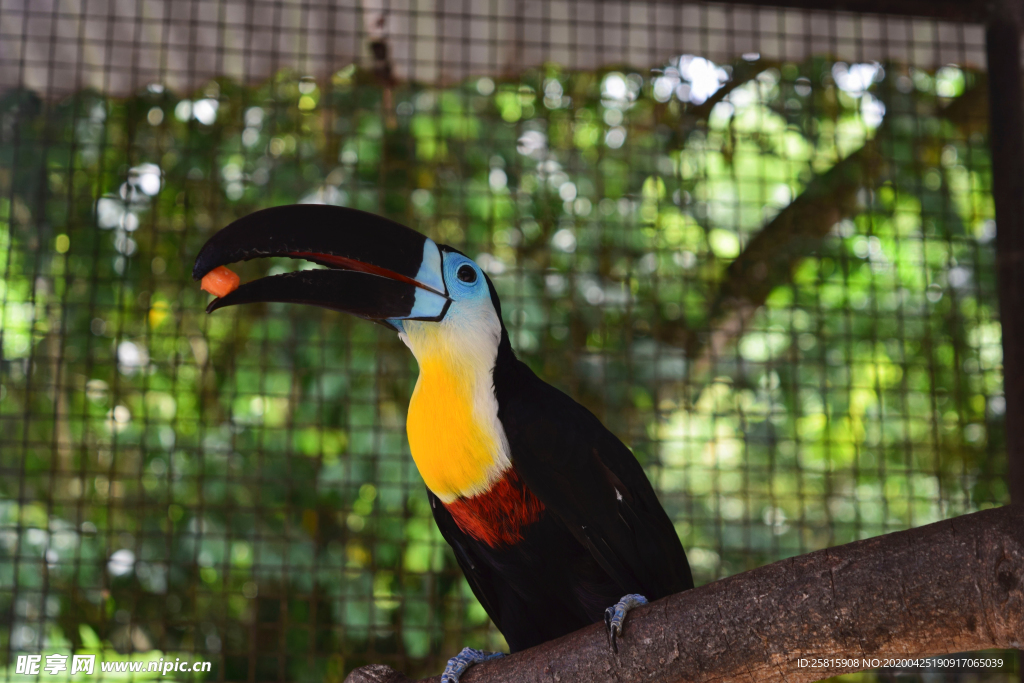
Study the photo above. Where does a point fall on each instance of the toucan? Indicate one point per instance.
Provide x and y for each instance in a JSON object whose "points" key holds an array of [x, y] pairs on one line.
{"points": [[550, 516]]}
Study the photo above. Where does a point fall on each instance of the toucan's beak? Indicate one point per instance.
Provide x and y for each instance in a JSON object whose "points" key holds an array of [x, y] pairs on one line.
{"points": [[377, 269]]}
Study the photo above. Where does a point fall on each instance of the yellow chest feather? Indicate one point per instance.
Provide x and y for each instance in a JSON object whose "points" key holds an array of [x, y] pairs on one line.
{"points": [[454, 434], [455, 448]]}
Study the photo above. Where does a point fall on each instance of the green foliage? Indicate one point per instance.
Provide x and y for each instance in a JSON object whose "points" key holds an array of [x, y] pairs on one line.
{"points": [[239, 484]]}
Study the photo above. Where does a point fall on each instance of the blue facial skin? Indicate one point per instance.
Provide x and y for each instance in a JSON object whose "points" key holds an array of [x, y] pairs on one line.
{"points": [[466, 286], [464, 283], [430, 266]]}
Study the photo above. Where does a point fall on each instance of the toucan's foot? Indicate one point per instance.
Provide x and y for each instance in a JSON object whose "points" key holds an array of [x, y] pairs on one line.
{"points": [[458, 664], [616, 614]]}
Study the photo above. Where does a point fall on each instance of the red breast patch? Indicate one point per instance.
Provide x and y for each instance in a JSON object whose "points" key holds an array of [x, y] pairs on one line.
{"points": [[497, 516]]}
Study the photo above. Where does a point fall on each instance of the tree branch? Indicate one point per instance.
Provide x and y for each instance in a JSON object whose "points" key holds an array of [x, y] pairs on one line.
{"points": [[743, 71], [795, 232], [953, 586], [769, 258]]}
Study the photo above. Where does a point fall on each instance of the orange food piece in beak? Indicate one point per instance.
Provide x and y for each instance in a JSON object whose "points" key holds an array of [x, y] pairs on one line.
{"points": [[221, 281]]}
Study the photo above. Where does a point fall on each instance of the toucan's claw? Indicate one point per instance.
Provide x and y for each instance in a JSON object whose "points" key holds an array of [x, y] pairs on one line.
{"points": [[458, 664], [616, 614]]}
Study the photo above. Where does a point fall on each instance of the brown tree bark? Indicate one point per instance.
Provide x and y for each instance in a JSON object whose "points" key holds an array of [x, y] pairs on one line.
{"points": [[953, 586]]}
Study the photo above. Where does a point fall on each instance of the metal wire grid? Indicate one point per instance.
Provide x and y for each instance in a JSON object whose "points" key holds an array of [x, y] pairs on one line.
{"points": [[238, 487], [61, 46]]}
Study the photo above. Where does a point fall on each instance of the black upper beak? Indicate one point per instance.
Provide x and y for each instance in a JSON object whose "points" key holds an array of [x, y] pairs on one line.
{"points": [[377, 269]]}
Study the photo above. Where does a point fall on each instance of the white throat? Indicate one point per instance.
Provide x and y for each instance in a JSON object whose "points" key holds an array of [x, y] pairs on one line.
{"points": [[456, 438]]}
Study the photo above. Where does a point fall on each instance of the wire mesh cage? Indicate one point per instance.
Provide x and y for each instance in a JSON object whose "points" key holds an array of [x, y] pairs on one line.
{"points": [[756, 242]]}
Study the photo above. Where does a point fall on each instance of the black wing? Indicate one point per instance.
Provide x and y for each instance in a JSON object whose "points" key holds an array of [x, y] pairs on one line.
{"points": [[591, 481]]}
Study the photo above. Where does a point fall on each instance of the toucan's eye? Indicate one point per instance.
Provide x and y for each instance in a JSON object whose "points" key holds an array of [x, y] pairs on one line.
{"points": [[466, 273]]}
